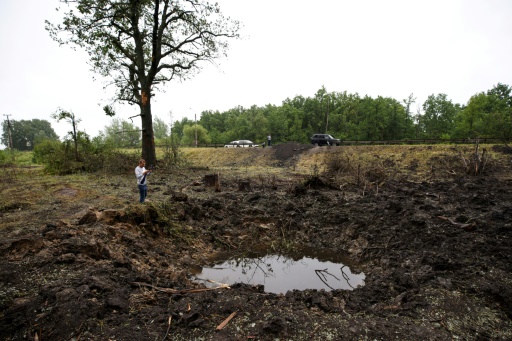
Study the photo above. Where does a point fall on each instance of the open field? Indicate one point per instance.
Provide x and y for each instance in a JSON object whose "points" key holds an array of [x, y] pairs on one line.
{"points": [[430, 227]]}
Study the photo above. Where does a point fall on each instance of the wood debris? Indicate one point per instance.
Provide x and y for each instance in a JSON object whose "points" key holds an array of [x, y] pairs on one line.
{"points": [[183, 291], [223, 324], [465, 226]]}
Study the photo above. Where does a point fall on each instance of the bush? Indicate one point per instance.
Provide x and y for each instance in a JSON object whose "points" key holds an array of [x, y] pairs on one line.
{"points": [[172, 155], [60, 158], [117, 162], [3, 156], [16, 158], [49, 153]]}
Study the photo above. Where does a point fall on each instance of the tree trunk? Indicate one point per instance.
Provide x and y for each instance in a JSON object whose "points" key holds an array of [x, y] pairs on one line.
{"points": [[211, 180], [75, 138], [244, 186], [148, 140]]}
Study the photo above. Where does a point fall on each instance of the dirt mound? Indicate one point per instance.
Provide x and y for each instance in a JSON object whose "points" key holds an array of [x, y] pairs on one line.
{"points": [[286, 151], [505, 149]]}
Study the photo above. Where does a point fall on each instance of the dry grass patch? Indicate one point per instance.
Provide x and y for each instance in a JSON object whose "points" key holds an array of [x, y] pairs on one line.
{"points": [[215, 157], [367, 165], [248, 161], [33, 193], [359, 165]]}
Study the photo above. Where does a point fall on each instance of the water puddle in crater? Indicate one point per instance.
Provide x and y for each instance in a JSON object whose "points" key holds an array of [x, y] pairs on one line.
{"points": [[305, 269]]}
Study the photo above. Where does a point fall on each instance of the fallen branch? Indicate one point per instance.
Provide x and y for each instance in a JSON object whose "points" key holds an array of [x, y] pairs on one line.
{"points": [[221, 285], [168, 328], [183, 291], [223, 324], [466, 226]]}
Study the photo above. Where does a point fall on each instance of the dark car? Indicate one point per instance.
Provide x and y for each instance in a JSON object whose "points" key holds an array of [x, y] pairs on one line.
{"points": [[324, 140]]}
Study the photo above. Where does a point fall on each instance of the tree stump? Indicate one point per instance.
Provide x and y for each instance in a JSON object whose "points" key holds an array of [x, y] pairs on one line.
{"points": [[244, 186], [212, 180]]}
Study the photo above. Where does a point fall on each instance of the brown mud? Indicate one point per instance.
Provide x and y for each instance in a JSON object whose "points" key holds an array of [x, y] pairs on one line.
{"points": [[85, 262]]}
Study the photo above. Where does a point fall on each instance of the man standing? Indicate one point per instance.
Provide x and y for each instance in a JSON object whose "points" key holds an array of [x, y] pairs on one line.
{"points": [[141, 173], [268, 140]]}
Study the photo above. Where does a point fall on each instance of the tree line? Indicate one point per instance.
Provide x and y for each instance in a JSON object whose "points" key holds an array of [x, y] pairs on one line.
{"points": [[353, 117], [344, 115]]}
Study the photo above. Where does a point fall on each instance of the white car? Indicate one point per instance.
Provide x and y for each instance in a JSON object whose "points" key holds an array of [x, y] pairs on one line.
{"points": [[240, 143]]}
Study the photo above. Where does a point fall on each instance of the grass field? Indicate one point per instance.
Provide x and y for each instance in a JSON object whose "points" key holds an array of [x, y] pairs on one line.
{"points": [[418, 161]]}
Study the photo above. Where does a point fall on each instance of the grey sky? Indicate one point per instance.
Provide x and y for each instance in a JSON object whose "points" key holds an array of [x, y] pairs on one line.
{"points": [[390, 48]]}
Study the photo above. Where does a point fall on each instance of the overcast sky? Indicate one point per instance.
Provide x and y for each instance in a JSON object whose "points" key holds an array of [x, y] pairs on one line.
{"points": [[388, 48]]}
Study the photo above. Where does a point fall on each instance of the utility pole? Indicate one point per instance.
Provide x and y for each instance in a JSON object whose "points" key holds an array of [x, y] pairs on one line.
{"points": [[9, 132], [170, 125], [327, 117], [195, 127]]}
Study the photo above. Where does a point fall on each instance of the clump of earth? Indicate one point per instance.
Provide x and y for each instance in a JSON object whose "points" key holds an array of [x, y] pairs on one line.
{"points": [[87, 262]]}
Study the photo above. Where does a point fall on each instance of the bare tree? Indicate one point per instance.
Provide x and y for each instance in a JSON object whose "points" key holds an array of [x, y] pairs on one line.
{"points": [[69, 117]]}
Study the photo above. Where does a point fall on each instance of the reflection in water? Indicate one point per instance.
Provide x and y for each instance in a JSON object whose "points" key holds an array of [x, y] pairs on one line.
{"points": [[281, 273]]}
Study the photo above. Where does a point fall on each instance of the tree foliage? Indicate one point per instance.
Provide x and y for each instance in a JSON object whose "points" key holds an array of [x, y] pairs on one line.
{"points": [[439, 116], [26, 134], [121, 134], [349, 116], [69, 117], [190, 132], [142, 44], [344, 115], [499, 110], [487, 114], [59, 157], [160, 128]]}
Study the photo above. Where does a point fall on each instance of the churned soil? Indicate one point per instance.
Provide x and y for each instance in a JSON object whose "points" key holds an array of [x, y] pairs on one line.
{"points": [[80, 259]]}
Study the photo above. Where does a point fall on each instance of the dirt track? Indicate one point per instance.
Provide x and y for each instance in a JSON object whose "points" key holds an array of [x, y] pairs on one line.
{"points": [[85, 263]]}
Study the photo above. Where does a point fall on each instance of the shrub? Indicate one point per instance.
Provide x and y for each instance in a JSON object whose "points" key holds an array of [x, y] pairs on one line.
{"points": [[3, 156], [59, 157], [49, 153]]}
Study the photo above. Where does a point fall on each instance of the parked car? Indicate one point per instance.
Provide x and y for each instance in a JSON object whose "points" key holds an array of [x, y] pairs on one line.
{"points": [[240, 143], [324, 140]]}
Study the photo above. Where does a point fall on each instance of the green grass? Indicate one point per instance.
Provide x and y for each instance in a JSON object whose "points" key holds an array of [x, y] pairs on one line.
{"points": [[23, 158]]}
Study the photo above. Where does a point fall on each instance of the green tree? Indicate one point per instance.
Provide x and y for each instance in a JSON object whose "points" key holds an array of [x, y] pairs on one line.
{"points": [[500, 111], [160, 128], [287, 124], [438, 119], [236, 125], [215, 123], [315, 112], [259, 127], [408, 102], [469, 122], [121, 133], [178, 126], [276, 123], [348, 116], [399, 123], [27, 133], [410, 129], [142, 44], [372, 117], [191, 131], [487, 114], [69, 117]]}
